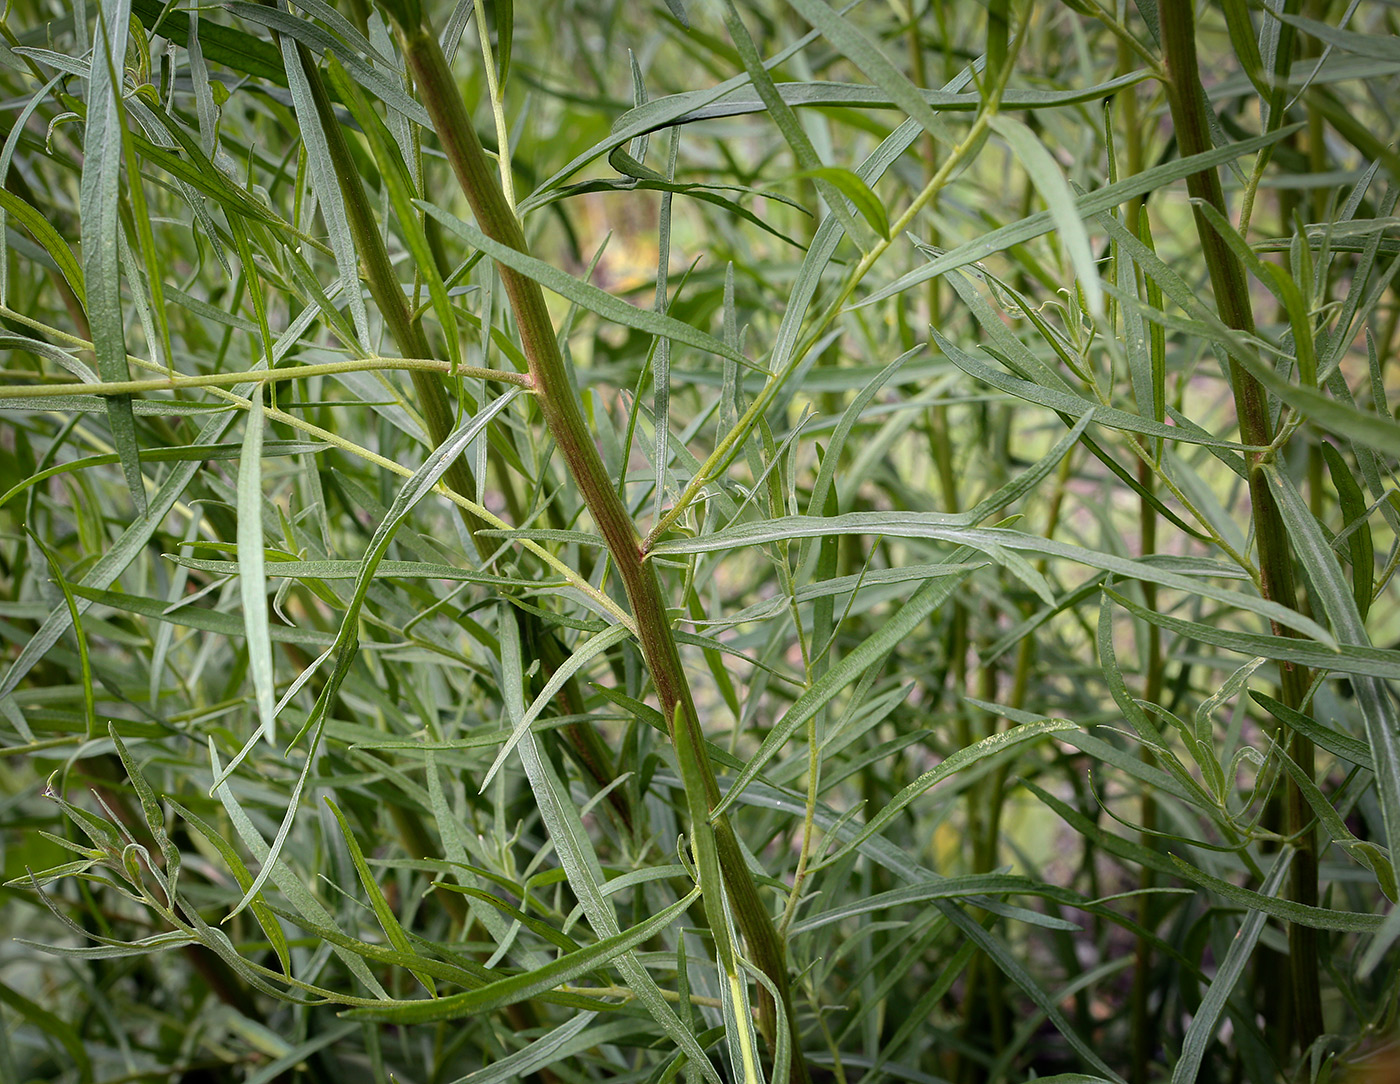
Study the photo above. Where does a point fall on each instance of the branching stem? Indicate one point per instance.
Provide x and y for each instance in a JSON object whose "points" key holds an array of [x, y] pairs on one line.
{"points": [[562, 415]]}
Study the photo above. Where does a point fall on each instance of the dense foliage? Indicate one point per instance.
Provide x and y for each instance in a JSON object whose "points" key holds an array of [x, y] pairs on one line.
{"points": [[909, 600]]}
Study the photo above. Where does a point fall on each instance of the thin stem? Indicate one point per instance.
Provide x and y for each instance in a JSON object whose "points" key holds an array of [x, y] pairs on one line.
{"points": [[559, 405], [809, 816], [1188, 108], [1119, 31], [497, 107], [488, 518], [259, 376], [729, 443], [1143, 1040]]}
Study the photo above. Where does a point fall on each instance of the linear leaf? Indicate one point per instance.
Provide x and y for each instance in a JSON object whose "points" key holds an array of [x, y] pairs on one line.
{"points": [[865, 54], [1338, 602], [580, 862], [388, 921], [252, 578], [990, 746], [394, 173], [1206, 1017], [100, 194], [1088, 205], [323, 182], [1319, 918], [347, 640], [990, 540], [1346, 658], [581, 657], [517, 988], [1049, 180], [48, 237]]}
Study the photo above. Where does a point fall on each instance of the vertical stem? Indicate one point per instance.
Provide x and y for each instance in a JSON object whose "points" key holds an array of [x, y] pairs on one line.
{"points": [[564, 419], [1188, 108], [1143, 1040]]}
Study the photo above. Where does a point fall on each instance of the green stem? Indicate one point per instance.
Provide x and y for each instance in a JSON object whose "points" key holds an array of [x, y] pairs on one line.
{"points": [[729, 444], [1188, 108], [1143, 1039], [560, 408], [259, 376]]}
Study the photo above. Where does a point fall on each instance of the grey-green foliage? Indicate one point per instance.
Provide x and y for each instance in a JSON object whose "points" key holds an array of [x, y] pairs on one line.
{"points": [[951, 516]]}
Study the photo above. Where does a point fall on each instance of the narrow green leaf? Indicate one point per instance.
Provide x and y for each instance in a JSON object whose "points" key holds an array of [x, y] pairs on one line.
{"points": [[1346, 658], [1358, 528], [195, 617], [1206, 1018], [1376, 950], [857, 47], [348, 570], [1246, 47], [100, 195], [386, 88], [580, 862], [1337, 601], [517, 988], [236, 49], [252, 578], [150, 809], [1075, 406], [271, 928], [1380, 46], [566, 1041], [993, 541], [734, 97], [1363, 852], [949, 888], [324, 184], [388, 921], [1087, 205], [347, 640], [1049, 180], [581, 657], [1319, 918], [990, 746], [52, 242], [1342, 745], [176, 454], [788, 125], [400, 187], [849, 184]]}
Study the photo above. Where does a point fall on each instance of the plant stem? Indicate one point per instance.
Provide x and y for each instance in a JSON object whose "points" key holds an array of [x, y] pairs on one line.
{"points": [[259, 376], [1188, 107], [730, 443], [564, 419], [1143, 1039]]}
